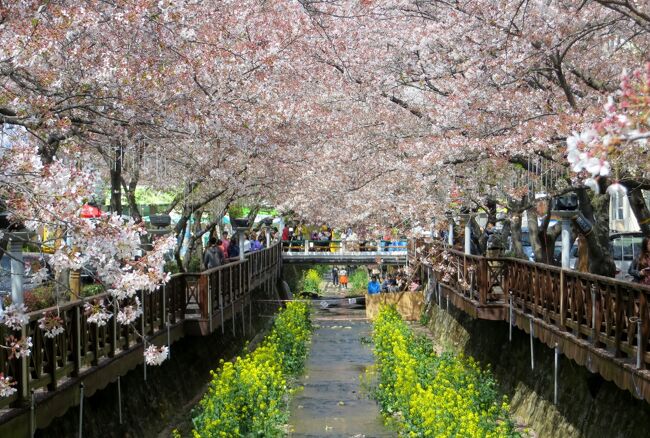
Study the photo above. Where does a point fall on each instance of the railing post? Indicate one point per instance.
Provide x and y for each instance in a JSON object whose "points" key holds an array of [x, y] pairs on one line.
{"points": [[556, 362], [50, 345], [639, 350], [562, 322], [23, 374], [483, 279], [210, 303], [232, 302], [76, 340], [594, 335], [510, 321], [532, 350]]}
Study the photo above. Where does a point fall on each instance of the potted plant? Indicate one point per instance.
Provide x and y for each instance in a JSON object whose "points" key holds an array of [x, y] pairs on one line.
{"points": [[238, 216]]}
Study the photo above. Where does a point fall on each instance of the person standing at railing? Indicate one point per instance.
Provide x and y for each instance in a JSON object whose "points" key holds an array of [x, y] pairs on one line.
{"points": [[285, 234], [213, 256], [335, 276], [640, 267], [225, 243], [247, 243], [256, 245], [298, 235], [233, 249]]}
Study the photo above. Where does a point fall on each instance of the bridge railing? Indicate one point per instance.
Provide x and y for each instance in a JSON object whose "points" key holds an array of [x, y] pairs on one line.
{"points": [[55, 359], [345, 246], [83, 345], [601, 322], [608, 313]]}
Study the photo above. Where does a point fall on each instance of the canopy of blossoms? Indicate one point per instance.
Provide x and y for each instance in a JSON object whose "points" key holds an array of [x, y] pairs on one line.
{"points": [[354, 113]]}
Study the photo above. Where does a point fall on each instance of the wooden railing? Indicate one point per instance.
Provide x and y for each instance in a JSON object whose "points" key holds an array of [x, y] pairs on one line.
{"points": [[608, 313], [205, 299], [600, 322]]}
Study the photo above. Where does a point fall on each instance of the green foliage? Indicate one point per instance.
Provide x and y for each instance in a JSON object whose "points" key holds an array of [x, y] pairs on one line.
{"points": [[237, 210], [90, 290], [195, 264], [359, 281], [171, 266], [250, 396], [431, 395], [322, 269], [310, 282]]}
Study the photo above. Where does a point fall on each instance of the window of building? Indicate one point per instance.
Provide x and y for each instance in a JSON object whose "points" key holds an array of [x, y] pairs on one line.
{"points": [[618, 206]]}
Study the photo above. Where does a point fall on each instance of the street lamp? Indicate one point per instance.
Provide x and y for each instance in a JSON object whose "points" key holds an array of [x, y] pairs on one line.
{"points": [[18, 236], [566, 207]]}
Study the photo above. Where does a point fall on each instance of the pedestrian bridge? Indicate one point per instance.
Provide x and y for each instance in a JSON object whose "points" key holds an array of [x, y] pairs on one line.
{"points": [[337, 252]]}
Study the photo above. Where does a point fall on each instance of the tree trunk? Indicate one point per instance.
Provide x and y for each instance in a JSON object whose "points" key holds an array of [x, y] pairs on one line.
{"points": [[596, 210], [116, 182], [640, 209], [515, 233], [192, 247], [133, 205]]}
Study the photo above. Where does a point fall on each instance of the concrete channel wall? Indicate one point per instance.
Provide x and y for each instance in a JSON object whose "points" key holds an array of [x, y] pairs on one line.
{"points": [[588, 406]]}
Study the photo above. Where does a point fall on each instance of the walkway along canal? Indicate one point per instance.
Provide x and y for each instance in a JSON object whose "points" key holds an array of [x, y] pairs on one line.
{"points": [[333, 404]]}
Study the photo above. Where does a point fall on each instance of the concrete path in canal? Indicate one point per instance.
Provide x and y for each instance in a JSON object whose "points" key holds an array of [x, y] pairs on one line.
{"points": [[333, 404]]}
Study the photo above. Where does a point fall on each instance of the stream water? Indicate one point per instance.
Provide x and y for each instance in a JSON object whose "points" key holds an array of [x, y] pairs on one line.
{"points": [[333, 403]]}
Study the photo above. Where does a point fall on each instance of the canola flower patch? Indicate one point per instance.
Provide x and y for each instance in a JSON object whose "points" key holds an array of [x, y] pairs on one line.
{"points": [[250, 396], [426, 394]]}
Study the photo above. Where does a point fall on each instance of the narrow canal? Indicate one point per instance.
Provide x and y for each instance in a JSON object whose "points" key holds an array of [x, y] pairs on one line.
{"points": [[333, 402]]}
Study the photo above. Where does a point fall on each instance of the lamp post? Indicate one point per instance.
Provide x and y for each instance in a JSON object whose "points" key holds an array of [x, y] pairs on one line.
{"points": [[16, 241], [450, 234], [468, 234], [566, 207]]}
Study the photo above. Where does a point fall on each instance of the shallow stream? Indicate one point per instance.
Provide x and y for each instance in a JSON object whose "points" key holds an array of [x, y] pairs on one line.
{"points": [[333, 402]]}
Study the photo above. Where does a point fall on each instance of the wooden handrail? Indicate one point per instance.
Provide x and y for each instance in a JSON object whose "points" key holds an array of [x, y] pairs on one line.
{"points": [[84, 346], [594, 312]]}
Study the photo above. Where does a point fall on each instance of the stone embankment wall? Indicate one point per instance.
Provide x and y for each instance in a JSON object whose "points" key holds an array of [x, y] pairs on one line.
{"points": [[588, 406], [169, 392], [408, 304]]}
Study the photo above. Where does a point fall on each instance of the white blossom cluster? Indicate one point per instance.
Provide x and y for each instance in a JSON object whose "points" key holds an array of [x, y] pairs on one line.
{"points": [[97, 313], [7, 386], [14, 316], [154, 355]]}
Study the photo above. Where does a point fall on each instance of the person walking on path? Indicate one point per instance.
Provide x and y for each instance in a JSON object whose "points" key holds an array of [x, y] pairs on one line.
{"points": [[373, 286], [335, 276], [213, 256], [343, 278]]}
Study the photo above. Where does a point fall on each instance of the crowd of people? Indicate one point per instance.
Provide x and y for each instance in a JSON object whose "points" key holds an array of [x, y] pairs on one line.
{"points": [[393, 282], [224, 249], [325, 238]]}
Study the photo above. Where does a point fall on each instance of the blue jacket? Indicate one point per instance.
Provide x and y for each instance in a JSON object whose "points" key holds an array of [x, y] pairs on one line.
{"points": [[373, 287]]}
